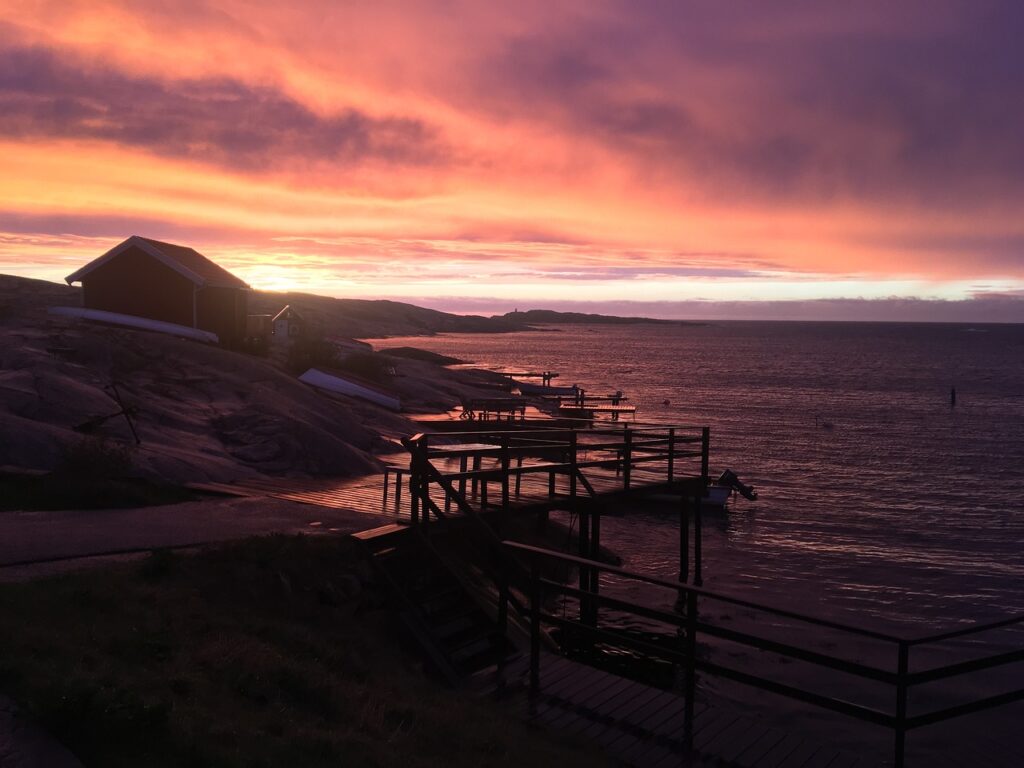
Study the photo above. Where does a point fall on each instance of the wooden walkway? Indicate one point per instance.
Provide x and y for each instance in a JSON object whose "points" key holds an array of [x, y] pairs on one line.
{"points": [[361, 494], [643, 726], [365, 494]]}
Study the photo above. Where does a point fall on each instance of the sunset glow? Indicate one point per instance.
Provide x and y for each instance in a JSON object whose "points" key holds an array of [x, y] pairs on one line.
{"points": [[671, 155]]}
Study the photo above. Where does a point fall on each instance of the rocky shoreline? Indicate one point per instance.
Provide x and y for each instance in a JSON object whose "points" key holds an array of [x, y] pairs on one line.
{"points": [[202, 413]]}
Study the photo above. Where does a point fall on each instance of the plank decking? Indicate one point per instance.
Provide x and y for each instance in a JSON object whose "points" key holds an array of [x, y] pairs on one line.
{"points": [[643, 726]]}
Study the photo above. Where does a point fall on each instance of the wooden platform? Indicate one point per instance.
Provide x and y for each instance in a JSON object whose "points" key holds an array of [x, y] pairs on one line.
{"points": [[365, 494], [361, 494], [643, 726]]}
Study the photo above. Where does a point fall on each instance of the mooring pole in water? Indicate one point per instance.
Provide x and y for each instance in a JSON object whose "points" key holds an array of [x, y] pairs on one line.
{"points": [[952, 397]]}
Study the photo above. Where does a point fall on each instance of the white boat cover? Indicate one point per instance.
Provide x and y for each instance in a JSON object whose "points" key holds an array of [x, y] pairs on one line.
{"points": [[131, 321], [344, 385]]}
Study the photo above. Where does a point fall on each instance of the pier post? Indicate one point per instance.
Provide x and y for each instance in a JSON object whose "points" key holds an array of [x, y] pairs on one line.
{"points": [[534, 626], [503, 601], [462, 480], [504, 483], [900, 728], [595, 575], [684, 538], [584, 552], [573, 469], [627, 451], [424, 481], [475, 484], [705, 451], [414, 487], [698, 545], [671, 453], [691, 671]]}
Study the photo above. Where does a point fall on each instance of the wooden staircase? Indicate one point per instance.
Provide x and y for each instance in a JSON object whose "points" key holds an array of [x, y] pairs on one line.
{"points": [[456, 633]]}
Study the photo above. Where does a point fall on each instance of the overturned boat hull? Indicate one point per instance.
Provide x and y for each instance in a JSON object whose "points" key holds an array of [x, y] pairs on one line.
{"points": [[342, 384]]}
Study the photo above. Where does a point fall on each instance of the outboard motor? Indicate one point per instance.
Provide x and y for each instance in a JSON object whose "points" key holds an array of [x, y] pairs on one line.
{"points": [[729, 479]]}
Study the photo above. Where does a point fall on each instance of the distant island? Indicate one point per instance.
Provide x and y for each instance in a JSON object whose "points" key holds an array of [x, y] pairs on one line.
{"points": [[360, 318], [366, 318], [534, 316]]}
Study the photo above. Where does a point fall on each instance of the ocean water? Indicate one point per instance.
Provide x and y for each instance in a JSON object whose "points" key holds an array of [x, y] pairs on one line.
{"points": [[880, 504]]}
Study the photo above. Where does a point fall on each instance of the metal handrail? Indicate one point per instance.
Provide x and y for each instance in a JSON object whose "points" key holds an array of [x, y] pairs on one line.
{"points": [[902, 679], [699, 591], [973, 629]]}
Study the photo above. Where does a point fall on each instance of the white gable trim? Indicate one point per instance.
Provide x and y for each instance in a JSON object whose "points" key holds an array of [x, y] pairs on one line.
{"points": [[136, 242]]}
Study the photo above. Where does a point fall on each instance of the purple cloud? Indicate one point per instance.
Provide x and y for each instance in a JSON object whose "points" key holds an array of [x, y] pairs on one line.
{"points": [[219, 121]]}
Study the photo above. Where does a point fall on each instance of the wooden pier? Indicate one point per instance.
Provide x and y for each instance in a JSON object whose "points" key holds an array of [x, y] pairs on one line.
{"points": [[499, 474], [456, 492], [640, 725]]}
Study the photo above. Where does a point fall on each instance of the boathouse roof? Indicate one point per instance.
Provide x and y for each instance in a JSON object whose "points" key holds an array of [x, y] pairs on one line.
{"points": [[188, 262], [287, 313]]}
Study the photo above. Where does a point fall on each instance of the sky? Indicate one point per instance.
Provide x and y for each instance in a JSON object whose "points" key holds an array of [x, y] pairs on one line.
{"points": [[674, 158]]}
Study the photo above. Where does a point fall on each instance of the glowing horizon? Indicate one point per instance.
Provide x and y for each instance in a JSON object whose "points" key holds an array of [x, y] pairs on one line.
{"points": [[592, 152]]}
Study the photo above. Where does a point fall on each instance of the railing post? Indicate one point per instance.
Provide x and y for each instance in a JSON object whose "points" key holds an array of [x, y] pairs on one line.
{"points": [[691, 670], [901, 704], [671, 453], [534, 626], [573, 468], [414, 489], [627, 451], [424, 481], [504, 482], [503, 601]]}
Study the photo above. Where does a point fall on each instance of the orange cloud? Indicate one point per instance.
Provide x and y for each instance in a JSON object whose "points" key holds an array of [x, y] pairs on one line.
{"points": [[307, 140]]}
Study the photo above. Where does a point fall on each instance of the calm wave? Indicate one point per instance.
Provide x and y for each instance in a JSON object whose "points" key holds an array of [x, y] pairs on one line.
{"points": [[877, 498]]}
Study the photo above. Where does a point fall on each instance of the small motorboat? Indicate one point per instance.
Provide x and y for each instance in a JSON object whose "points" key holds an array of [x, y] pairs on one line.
{"points": [[724, 487]]}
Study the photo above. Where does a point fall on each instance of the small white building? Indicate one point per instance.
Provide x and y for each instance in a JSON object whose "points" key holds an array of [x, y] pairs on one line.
{"points": [[286, 327]]}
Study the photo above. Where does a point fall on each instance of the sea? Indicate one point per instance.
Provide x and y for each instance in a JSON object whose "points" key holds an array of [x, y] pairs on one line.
{"points": [[881, 503]]}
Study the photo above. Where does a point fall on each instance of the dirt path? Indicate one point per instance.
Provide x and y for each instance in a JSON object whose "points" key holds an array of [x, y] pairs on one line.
{"points": [[30, 540]]}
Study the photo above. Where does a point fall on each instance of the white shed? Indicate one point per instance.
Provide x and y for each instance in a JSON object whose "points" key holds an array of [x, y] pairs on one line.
{"points": [[287, 326]]}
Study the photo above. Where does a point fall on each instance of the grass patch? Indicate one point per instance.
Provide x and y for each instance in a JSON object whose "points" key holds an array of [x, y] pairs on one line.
{"points": [[263, 653]]}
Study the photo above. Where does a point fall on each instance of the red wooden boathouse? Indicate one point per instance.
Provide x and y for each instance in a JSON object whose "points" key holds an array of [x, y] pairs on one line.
{"points": [[172, 283]]}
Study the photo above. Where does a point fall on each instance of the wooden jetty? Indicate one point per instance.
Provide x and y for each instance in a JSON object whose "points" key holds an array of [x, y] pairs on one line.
{"points": [[645, 726], [496, 408], [584, 406], [489, 616], [546, 377], [681, 649]]}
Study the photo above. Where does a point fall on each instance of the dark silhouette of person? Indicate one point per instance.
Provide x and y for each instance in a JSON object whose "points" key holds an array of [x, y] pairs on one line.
{"points": [[952, 397]]}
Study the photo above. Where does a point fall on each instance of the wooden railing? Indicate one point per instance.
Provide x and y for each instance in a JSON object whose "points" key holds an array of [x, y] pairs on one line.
{"points": [[689, 626], [662, 454]]}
